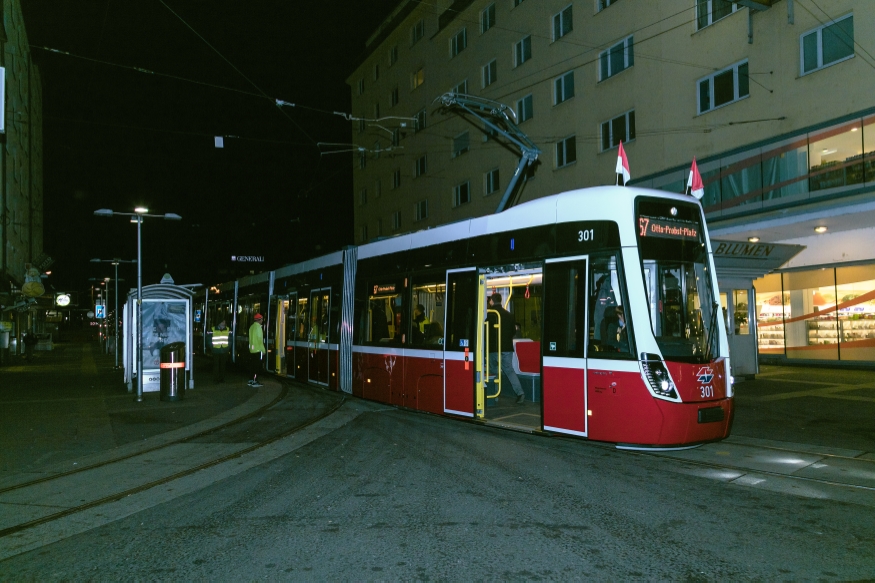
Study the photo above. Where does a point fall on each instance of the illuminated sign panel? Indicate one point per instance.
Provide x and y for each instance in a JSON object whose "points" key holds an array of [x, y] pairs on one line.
{"points": [[388, 288], [248, 258], [62, 300], [667, 228]]}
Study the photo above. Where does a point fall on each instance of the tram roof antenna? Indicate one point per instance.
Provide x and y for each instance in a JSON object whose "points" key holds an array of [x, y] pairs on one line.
{"points": [[501, 119]]}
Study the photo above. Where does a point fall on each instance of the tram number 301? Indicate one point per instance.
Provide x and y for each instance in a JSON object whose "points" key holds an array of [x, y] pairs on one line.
{"points": [[586, 235], [707, 391]]}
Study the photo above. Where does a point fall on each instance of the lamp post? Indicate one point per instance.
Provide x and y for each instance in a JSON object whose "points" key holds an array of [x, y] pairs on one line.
{"points": [[138, 215], [115, 262]]}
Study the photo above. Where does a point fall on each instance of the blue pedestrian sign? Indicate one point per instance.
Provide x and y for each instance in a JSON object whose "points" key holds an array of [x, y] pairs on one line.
{"points": [[100, 311], [197, 315]]}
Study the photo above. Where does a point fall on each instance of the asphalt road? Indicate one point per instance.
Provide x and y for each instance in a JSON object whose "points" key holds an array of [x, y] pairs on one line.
{"points": [[394, 495]]}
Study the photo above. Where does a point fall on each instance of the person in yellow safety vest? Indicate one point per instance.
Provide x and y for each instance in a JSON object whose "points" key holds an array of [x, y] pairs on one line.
{"points": [[256, 349], [221, 348]]}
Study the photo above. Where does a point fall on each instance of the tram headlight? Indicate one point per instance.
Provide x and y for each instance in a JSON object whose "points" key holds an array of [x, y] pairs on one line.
{"points": [[658, 379]]}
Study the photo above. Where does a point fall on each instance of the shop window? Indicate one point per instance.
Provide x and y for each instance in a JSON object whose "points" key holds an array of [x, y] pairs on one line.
{"points": [[771, 303], [855, 292], [810, 326], [426, 323], [835, 157], [785, 170], [741, 179]]}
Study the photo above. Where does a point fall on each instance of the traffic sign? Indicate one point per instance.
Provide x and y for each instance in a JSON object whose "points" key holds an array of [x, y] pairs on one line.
{"points": [[197, 315], [100, 311]]}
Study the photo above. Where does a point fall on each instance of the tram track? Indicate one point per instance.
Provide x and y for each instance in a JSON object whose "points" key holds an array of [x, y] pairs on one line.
{"points": [[128, 456], [124, 493]]}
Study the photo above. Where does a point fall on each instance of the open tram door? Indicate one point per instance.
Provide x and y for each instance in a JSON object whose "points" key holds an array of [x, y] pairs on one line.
{"points": [[277, 334], [317, 336]]}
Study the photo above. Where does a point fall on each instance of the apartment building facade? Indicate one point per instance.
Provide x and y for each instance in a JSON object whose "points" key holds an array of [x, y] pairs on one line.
{"points": [[772, 97]]}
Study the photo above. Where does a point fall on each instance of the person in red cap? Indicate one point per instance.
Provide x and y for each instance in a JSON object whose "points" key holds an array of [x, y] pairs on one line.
{"points": [[256, 349]]}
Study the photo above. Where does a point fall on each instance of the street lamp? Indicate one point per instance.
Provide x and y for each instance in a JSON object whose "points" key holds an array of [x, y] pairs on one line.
{"points": [[138, 215], [115, 262]]}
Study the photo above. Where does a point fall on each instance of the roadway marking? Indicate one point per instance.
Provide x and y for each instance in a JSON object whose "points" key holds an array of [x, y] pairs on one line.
{"points": [[830, 392]]}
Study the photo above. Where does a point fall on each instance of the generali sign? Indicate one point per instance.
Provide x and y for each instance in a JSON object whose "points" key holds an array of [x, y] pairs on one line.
{"points": [[248, 258]]}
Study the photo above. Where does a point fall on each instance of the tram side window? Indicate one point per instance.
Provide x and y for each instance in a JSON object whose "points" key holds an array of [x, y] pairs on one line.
{"points": [[303, 318], [609, 333], [384, 316], [426, 323]]}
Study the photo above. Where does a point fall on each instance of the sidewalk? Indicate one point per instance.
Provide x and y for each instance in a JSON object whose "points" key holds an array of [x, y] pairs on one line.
{"points": [[70, 403]]}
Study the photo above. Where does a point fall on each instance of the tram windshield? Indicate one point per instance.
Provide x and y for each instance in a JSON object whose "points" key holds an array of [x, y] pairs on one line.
{"points": [[683, 308]]}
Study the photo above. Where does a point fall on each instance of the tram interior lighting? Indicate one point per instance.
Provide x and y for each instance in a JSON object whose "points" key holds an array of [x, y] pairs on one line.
{"points": [[660, 382]]}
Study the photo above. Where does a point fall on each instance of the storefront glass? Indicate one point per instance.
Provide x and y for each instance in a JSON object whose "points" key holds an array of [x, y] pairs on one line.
{"points": [[770, 305], [819, 314], [836, 157], [855, 288]]}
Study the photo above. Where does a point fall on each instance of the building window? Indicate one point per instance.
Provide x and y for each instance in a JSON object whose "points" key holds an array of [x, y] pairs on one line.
{"points": [[566, 152], [393, 97], [616, 59], [363, 197], [621, 127], [491, 181], [420, 210], [723, 87], [378, 188], [524, 109], [396, 179], [396, 221], [396, 137], [377, 110], [827, 44], [563, 88], [487, 18], [522, 51], [393, 55], [376, 71], [517, 3], [362, 125], [363, 233], [363, 160], [420, 120], [461, 194], [379, 227], [459, 42], [417, 32], [418, 78], [461, 144], [490, 73], [361, 85], [461, 88], [710, 11], [602, 4], [562, 23], [420, 166]]}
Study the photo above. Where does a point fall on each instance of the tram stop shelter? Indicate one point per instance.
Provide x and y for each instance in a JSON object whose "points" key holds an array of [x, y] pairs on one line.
{"points": [[167, 317], [737, 265]]}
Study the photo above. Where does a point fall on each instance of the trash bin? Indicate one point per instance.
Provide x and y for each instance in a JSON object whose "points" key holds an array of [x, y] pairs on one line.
{"points": [[173, 373]]}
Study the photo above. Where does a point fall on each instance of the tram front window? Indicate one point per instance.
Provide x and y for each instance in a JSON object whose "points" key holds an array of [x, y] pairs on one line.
{"points": [[683, 309]]}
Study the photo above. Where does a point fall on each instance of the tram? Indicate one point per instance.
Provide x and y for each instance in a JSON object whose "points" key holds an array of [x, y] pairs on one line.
{"points": [[619, 337]]}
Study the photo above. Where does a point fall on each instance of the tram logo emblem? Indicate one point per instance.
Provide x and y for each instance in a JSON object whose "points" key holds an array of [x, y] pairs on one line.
{"points": [[705, 375]]}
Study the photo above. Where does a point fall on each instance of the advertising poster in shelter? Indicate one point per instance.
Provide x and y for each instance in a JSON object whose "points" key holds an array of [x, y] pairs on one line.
{"points": [[163, 322]]}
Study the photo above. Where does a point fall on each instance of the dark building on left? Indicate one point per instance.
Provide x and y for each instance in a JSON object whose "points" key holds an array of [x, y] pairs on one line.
{"points": [[22, 260]]}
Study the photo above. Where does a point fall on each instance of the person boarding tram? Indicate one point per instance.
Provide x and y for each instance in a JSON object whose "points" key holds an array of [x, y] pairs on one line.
{"points": [[508, 328]]}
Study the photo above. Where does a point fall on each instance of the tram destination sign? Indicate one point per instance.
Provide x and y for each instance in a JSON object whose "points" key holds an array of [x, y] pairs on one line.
{"points": [[664, 228]]}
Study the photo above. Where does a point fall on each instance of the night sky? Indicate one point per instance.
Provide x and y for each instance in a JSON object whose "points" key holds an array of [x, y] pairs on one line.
{"points": [[117, 138]]}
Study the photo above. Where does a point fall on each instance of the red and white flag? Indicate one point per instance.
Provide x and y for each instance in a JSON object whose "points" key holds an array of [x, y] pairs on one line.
{"points": [[694, 184], [622, 166]]}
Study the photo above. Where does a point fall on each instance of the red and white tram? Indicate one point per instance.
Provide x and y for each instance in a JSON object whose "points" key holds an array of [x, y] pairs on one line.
{"points": [[620, 335]]}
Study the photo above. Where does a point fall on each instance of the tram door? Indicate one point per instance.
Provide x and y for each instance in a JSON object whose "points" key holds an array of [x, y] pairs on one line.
{"points": [[290, 329], [566, 330], [460, 340], [317, 337], [276, 334]]}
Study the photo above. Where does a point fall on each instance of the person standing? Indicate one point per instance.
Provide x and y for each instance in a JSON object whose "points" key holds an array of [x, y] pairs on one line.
{"points": [[221, 348], [256, 349], [508, 326], [30, 341]]}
